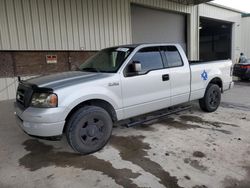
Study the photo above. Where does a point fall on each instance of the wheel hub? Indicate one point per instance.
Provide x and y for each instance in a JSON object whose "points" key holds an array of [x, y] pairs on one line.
{"points": [[92, 130], [214, 98]]}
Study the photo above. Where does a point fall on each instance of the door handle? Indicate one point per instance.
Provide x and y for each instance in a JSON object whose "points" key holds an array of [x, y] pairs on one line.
{"points": [[165, 77]]}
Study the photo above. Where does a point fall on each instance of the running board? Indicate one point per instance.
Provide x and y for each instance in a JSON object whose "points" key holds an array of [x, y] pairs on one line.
{"points": [[158, 116]]}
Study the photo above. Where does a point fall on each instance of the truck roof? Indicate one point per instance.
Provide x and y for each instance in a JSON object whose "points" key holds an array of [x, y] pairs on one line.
{"points": [[140, 44]]}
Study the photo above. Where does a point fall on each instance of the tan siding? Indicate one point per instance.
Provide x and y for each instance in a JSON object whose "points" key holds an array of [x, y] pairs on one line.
{"points": [[80, 23], [163, 4], [192, 14], [8, 87], [211, 11], [63, 24], [12, 23], [75, 26], [28, 24], [69, 24], [43, 24], [36, 24], [57, 24], [245, 36], [4, 28]]}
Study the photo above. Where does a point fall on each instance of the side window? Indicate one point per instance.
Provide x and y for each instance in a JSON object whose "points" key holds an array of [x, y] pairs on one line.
{"points": [[150, 59], [173, 56]]}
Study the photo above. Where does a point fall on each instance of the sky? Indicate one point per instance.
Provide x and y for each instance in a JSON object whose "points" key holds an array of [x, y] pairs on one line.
{"points": [[243, 5]]}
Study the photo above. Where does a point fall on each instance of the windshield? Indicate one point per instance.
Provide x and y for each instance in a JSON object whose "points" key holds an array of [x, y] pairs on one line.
{"points": [[107, 60]]}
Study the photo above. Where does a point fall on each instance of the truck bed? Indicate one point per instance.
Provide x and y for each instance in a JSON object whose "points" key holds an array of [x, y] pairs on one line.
{"points": [[202, 62]]}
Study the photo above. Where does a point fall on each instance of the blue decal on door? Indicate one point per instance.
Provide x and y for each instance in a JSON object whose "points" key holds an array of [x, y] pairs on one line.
{"points": [[204, 75]]}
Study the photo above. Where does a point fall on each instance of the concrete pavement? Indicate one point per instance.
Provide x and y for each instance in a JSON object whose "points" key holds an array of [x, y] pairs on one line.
{"points": [[189, 149]]}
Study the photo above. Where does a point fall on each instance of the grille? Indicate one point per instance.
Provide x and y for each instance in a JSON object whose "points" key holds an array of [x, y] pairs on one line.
{"points": [[20, 96], [24, 94]]}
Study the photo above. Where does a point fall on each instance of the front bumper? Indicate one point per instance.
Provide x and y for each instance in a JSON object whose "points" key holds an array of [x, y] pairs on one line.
{"points": [[40, 122]]}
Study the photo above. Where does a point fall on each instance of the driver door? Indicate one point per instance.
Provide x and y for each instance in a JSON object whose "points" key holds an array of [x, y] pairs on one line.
{"points": [[149, 89]]}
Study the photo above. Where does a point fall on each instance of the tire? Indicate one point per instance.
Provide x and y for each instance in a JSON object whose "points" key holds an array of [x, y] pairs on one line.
{"points": [[89, 129], [211, 100]]}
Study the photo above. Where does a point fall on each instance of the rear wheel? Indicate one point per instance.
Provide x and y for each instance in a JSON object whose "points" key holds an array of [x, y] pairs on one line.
{"points": [[89, 129], [211, 100]]}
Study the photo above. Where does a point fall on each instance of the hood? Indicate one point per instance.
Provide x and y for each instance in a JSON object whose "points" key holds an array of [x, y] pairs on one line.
{"points": [[64, 79]]}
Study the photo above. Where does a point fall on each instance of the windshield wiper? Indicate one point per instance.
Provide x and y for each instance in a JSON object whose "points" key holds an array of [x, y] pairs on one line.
{"points": [[90, 69]]}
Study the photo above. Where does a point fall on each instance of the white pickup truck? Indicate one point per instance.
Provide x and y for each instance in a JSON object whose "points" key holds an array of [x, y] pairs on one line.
{"points": [[116, 84]]}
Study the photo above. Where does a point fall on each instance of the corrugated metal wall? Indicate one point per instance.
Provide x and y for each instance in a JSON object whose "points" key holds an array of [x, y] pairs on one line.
{"points": [[245, 36], [63, 24], [192, 22], [72, 24], [215, 12], [8, 87], [167, 5]]}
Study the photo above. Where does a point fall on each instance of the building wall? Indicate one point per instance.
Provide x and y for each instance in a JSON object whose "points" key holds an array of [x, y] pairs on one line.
{"points": [[25, 63], [209, 10], [245, 36], [8, 87], [38, 27], [31, 29], [192, 21], [76, 24], [63, 24]]}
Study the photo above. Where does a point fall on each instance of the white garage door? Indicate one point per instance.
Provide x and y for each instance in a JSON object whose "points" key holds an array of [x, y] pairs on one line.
{"points": [[152, 25]]}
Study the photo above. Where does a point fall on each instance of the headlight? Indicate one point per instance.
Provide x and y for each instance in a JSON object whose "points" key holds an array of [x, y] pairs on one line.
{"points": [[44, 100]]}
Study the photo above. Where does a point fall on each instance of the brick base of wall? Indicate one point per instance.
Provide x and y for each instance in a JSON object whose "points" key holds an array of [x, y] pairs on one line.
{"points": [[25, 63]]}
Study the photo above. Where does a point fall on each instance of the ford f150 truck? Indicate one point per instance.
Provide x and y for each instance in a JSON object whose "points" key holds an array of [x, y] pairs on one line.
{"points": [[116, 84]]}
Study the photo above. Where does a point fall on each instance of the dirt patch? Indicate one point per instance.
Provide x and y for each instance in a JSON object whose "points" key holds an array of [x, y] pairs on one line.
{"points": [[171, 122], [50, 176], [184, 125], [145, 127], [199, 186], [235, 106], [199, 154], [234, 183], [41, 155], [199, 120], [187, 177], [195, 164], [133, 149]]}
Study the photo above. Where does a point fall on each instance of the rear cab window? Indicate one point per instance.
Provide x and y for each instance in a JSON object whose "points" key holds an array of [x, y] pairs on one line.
{"points": [[173, 57]]}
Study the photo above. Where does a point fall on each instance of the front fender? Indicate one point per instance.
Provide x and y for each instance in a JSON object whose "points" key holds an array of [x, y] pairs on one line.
{"points": [[70, 98]]}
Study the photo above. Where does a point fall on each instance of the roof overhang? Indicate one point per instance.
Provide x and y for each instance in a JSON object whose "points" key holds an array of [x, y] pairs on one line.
{"points": [[190, 2]]}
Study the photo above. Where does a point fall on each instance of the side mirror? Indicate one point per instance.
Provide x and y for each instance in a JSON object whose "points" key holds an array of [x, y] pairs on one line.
{"points": [[136, 66]]}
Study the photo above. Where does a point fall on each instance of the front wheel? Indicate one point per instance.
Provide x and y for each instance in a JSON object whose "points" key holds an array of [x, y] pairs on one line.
{"points": [[89, 129], [211, 100]]}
